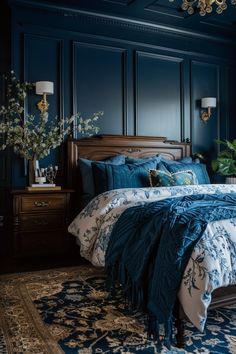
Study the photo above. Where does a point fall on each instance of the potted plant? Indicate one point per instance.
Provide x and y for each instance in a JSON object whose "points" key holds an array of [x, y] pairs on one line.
{"points": [[225, 163], [33, 137]]}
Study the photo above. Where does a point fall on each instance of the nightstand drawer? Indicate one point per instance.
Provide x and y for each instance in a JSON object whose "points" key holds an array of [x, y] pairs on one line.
{"points": [[41, 222], [42, 202]]}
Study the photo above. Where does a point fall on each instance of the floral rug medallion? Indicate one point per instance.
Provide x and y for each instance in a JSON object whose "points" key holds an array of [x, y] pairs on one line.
{"points": [[69, 311]]}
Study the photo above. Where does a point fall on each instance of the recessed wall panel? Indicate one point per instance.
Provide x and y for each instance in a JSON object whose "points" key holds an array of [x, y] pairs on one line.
{"points": [[100, 85], [204, 83], [231, 118], [159, 87], [43, 62]]}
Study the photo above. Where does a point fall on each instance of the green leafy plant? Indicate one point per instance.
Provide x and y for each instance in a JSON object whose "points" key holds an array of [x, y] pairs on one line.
{"points": [[225, 163], [33, 137]]}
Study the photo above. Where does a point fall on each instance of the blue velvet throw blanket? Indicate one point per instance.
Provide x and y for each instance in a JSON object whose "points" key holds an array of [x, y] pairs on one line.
{"points": [[150, 246]]}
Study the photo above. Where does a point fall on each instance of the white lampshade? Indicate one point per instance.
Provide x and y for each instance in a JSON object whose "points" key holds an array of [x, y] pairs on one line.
{"points": [[208, 102], [44, 87]]}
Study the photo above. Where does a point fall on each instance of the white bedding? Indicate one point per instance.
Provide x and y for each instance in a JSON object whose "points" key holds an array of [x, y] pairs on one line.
{"points": [[213, 260]]}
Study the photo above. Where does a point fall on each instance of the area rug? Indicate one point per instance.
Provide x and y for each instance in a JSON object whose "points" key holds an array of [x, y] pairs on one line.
{"points": [[69, 311]]}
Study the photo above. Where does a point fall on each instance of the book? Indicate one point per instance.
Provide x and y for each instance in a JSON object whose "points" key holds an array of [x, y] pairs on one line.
{"points": [[55, 188], [43, 185]]}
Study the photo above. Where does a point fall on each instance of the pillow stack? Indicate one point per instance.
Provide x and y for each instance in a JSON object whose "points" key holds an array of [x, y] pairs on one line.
{"points": [[87, 174], [127, 172], [128, 175]]}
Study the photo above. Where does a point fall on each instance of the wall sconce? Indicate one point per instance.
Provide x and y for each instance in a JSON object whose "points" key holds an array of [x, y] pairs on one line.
{"points": [[207, 102], [44, 88]]}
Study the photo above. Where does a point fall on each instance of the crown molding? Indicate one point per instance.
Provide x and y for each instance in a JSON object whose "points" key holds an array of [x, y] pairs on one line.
{"points": [[122, 22]]}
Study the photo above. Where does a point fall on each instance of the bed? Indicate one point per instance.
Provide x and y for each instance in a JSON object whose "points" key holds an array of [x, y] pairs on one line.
{"points": [[103, 147]]}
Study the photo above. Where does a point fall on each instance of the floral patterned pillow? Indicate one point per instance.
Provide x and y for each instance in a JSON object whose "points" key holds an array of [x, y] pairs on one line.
{"points": [[159, 178]]}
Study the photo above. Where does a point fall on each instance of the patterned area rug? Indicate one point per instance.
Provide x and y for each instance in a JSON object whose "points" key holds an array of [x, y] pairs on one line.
{"points": [[68, 311]]}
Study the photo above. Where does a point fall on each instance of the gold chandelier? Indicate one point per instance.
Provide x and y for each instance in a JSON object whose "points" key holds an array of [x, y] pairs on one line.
{"points": [[204, 6]]}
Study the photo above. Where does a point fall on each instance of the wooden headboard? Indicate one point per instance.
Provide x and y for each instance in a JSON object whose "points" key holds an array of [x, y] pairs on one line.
{"points": [[102, 146]]}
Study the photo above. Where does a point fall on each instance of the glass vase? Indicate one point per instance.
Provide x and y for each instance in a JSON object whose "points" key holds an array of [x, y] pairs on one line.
{"points": [[33, 165]]}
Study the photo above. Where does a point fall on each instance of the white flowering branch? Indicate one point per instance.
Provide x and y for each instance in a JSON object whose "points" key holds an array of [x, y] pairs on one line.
{"points": [[33, 138]]}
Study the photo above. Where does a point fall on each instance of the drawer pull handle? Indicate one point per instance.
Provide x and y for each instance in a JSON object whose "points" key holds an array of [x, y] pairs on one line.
{"points": [[42, 204]]}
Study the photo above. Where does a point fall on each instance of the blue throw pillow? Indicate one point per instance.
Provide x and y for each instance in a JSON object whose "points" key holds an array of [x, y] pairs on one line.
{"points": [[136, 160], [159, 178], [87, 174], [108, 177], [198, 168], [158, 158], [187, 159]]}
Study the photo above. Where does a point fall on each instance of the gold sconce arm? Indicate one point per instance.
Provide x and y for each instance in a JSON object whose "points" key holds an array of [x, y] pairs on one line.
{"points": [[43, 104], [205, 116]]}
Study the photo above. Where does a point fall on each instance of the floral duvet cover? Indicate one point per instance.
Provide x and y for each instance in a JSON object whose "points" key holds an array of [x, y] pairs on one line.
{"points": [[213, 260]]}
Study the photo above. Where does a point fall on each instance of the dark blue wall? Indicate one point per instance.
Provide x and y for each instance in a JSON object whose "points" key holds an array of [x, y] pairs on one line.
{"points": [[148, 79], [5, 180]]}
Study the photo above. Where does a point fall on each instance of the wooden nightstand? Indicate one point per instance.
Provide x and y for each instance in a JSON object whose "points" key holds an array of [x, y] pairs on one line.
{"points": [[40, 220]]}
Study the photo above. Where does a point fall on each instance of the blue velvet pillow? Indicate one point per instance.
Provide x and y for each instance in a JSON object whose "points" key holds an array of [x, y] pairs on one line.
{"points": [[198, 168], [108, 177], [187, 159], [136, 160], [87, 174], [158, 158], [159, 178]]}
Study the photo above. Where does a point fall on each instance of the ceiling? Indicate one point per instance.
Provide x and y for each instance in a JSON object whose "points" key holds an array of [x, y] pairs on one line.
{"points": [[161, 12]]}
